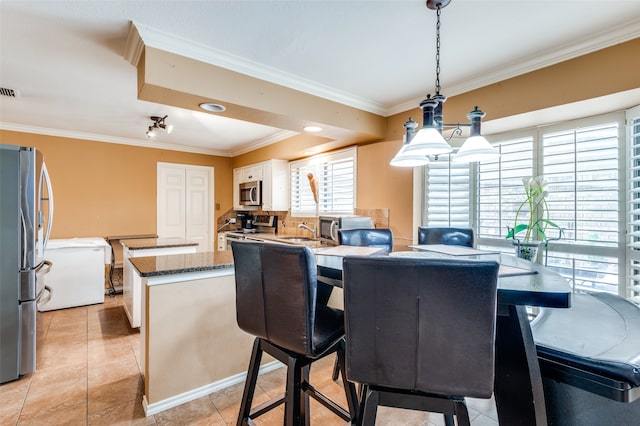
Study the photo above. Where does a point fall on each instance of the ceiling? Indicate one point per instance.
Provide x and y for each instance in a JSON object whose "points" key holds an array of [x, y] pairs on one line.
{"points": [[66, 59]]}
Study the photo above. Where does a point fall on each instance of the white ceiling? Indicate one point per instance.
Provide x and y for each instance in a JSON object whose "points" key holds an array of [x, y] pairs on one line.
{"points": [[66, 58]]}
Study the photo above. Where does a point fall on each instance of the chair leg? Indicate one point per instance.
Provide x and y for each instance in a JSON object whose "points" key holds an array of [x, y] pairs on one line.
{"points": [[448, 420], [462, 414], [369, 407], [336, 370], [250, 384], [349, 388]]}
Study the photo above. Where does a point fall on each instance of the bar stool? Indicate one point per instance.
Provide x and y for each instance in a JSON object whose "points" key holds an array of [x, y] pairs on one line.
{"points": [[366, 237], [420, 332], [382, 238], [276, 302], [448, 236]]}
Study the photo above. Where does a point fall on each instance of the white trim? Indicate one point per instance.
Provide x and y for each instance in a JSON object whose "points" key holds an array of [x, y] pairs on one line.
{"points": [[190, 49], [276, 137], [189, 276], [174, 401], [110, 139]]}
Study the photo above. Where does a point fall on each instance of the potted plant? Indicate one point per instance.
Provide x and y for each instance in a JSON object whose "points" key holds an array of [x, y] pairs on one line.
{"points": [[528, 236]]}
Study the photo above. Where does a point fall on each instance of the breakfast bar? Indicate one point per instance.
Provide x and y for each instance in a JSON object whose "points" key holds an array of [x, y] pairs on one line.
{"points": [[191, 345]]}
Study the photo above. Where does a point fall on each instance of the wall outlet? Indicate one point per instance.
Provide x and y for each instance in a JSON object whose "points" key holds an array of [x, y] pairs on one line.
{"points": [[232, 220]]}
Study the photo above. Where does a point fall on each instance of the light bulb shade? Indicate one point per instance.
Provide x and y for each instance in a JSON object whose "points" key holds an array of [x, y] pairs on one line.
{"points": [[428, 141], [476, 148], [169, 128], [406, 158]]}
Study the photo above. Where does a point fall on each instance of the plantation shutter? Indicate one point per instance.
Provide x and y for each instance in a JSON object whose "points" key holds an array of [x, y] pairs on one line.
{"points": [[499, 186], [633, 237], [335, 174], [447, 196], [582, 165]]}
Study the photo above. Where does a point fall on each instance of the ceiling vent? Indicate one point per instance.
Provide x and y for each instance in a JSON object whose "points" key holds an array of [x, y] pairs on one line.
{"points": [[11, 93]]}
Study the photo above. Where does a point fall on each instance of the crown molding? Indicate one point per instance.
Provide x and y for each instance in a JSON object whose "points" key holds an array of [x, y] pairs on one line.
{"points": [[190, 49], [276, 137], [563, 53], [134, 45], [110, 139]]}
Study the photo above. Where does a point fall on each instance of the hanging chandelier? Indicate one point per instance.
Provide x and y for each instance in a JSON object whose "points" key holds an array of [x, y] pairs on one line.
{"points": [[428, 141]]}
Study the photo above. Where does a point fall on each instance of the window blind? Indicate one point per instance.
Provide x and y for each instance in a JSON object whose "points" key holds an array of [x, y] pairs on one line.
{"points": [[499, 186], [335, 174], [447, 197], [633, 211]]}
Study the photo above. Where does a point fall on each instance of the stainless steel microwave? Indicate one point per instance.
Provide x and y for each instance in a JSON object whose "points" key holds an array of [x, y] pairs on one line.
{"points": [[329, 226], [251, 193]]}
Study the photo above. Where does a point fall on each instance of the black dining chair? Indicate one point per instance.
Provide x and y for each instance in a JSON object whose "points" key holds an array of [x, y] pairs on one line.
{"points": [[276, 302], [368, 237], [443, 235], [420, 332], [365, 237]]}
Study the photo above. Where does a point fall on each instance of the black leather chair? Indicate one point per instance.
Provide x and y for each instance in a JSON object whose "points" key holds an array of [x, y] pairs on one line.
{"points": [[276, 302], [448, 236], [366, 237], [420, 332], [372, 237]]}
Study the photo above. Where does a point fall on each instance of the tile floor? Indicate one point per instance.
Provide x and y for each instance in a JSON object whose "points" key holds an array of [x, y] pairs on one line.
{"points": [[88, 373]]}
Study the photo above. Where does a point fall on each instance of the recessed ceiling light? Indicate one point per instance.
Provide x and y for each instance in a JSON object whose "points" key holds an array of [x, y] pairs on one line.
{"points": [[312, 129], [212, 107]]}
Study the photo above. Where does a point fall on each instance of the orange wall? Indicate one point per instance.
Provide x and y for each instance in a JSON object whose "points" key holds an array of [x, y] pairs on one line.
{"points": [[105, 189]]}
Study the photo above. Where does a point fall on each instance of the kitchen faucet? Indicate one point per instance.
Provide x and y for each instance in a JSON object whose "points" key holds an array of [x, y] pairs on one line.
{"points": [[304, 225]]}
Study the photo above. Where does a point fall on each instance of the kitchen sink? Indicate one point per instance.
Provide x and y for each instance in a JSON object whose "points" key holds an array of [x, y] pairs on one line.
{"points": [[297, 239]]}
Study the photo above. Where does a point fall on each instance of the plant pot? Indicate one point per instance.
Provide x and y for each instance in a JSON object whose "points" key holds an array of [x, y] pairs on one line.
{"points": [[527, 250]]}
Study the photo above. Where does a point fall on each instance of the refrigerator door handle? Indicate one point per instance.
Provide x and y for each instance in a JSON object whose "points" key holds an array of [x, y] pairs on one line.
{"points": [[44, 176]]}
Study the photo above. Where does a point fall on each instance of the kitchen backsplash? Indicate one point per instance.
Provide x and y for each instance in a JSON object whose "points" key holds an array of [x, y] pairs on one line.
{"points": [[289, 225]]}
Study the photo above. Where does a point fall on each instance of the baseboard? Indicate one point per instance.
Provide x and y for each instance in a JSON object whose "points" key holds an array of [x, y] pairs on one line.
{"points": [[157, 407]]}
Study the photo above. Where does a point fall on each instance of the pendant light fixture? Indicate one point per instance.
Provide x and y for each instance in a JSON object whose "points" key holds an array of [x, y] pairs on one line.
{"points": [[417, 147]]}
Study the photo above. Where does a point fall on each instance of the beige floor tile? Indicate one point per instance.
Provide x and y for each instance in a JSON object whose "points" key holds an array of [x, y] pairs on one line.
{"points": [[130, 413], [55, 395], [200, 411], [107, 395], [12, 397], [67, 414]]}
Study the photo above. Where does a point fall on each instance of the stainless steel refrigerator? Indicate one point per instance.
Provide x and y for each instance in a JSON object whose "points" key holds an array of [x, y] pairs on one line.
{"points": [[26, 216]]}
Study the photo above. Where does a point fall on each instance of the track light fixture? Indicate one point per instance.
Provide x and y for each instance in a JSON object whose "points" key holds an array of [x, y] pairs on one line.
{"points": [[418, 146], [158, 123]]}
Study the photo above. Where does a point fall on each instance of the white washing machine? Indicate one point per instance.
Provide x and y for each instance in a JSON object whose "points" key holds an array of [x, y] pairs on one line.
{"points": [[77, 275]]}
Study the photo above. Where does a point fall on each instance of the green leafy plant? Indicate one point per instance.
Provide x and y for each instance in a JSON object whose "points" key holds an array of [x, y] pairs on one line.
{"points": [[536, 206]]}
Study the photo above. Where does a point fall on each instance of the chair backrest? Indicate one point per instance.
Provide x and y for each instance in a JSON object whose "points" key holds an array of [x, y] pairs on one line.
{"points": [[449, 236], [372, 237], [421, 324], [276, 293]]}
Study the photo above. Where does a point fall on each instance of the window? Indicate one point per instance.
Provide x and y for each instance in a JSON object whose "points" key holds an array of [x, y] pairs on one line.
{"points": [[447, 201], [633, 236], [335, 176], [584, 164]]}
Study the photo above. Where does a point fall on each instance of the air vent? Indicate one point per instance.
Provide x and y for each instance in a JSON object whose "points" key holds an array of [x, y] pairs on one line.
{"points": [[12, 93]]}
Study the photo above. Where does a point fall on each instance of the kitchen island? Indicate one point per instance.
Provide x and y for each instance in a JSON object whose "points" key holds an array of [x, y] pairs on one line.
{"points": [[191, 344], [131, 282]]}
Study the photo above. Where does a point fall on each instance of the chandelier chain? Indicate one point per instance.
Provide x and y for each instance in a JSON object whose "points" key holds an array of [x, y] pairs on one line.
{"points": [[438, 51]]}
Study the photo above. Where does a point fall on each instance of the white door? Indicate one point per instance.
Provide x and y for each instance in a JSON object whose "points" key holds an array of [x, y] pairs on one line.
{"points": [[185, 203]]}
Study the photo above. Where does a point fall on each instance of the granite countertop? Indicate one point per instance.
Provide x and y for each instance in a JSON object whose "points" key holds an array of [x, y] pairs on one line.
{"points": [[154, 243], [154, 266], [284, 239]]}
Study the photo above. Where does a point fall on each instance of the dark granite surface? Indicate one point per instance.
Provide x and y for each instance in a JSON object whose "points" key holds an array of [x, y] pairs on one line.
{"points": [[154, 266], [154, 243]]}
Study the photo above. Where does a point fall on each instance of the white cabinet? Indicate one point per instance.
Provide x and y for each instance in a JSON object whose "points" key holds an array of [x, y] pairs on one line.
{"points": [[274, 175]]}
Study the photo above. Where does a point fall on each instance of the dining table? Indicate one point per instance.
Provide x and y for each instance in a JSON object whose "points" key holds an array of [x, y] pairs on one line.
{"points": [[518, 390]]}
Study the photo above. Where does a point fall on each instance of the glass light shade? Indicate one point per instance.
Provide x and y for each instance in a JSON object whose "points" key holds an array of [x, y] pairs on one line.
{"points": [[428, 141], [170, 128], [408, 159], [476, 148]]}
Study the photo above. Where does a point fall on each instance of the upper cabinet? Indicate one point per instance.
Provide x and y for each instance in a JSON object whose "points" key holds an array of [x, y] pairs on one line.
{"points": [[274, 175]]}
